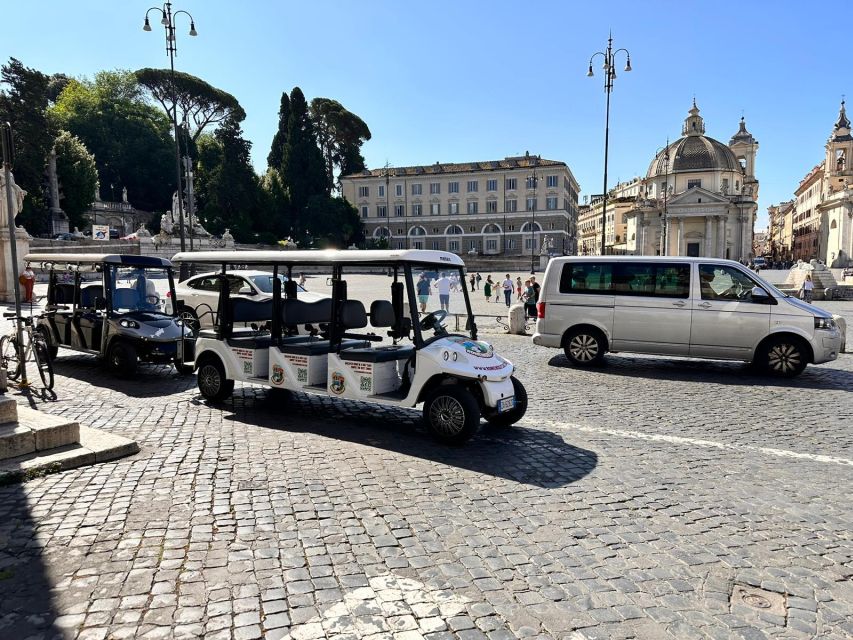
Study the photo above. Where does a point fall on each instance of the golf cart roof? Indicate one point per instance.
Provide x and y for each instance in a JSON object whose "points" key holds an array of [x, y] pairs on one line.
{"points": [[323, 257], [61, 259]]}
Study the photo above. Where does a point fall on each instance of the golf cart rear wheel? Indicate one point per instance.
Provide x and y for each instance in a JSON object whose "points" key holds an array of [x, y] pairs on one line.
{"points": [[451, 413], [509, 418], [52, 349], [212, 383], [122, 358]]}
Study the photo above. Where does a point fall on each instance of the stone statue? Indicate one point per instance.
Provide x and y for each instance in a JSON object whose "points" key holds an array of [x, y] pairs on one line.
{"points": [[166, 225], [124, 194], [227, 237], [17, 200], [97, 195], [142, 232], [543, 250]]}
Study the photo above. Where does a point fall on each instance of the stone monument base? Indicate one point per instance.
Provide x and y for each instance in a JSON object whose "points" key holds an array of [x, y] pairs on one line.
{"points": [[7, 277]]}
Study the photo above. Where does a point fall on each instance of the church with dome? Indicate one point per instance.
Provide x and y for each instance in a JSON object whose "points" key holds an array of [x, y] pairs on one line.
{"points": [[699, 197]]}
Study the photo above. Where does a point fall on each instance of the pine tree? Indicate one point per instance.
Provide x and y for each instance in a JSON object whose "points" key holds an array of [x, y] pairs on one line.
{"points": [[276, 155]]}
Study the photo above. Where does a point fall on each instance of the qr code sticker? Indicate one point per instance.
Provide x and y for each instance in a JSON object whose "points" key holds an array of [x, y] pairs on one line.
{"points": [[366, 383], [247, 368], [302, 374]]}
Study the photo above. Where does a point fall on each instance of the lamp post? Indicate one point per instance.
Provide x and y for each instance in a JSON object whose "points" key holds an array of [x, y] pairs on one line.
{"points": [[663, 239], [609, 76], [168, 22], [388, 173], [532, 181]]}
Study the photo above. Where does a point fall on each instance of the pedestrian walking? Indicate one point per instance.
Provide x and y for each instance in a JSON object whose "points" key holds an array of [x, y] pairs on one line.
{"points": [[508, 286], [302, 280], [807, 289], [529, 300], [443, 286], [519, 290], [28, 280], [422, 288], [536, 288], [487, 288], [479, 277], [473, 280]]}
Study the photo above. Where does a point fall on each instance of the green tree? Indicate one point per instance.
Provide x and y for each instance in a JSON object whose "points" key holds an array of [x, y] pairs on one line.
{"points": [[129, 138], [24, 99], [276, 154], [340, 135], [303, 168], [333, 222], [275, 210], [199, 104], [78, 176]]}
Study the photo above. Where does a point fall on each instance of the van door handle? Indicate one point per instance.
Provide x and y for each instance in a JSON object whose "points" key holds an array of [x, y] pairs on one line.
{"points": [[704, 305], [680, 303]]}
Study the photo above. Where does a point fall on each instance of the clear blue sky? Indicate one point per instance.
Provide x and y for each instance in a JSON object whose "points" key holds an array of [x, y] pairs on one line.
{"points": [[454, 81]]}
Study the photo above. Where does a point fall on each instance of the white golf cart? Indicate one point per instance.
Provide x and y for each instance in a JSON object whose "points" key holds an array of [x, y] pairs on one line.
{"points": [[110, 305], [385, 353]]}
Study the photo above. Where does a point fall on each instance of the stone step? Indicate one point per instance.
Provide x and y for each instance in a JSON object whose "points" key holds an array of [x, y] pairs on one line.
{"points": [[8, 410], [36, 431], [95, 446]]}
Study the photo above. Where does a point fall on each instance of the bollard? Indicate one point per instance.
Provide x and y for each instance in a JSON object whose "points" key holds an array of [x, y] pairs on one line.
{"points": [[842, 327], [516, 319]]}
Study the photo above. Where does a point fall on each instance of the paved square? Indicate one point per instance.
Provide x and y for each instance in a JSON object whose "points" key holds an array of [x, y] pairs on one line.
{"points": [[650, 498]]}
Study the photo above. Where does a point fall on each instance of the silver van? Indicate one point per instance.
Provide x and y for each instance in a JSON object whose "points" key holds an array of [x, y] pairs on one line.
{"points": [[678, 306]]}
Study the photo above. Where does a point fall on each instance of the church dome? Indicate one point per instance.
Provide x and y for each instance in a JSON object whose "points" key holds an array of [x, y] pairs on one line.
{"points": [[694, 151]]}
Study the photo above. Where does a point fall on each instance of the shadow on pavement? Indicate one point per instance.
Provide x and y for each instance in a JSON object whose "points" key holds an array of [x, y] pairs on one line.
{"points": [[149, 379], [519, 454], [26, 607], [825, 377]]}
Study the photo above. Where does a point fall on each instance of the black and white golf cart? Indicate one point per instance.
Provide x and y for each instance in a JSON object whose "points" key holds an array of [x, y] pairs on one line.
{"points": [[113, 306], [377, 349]]}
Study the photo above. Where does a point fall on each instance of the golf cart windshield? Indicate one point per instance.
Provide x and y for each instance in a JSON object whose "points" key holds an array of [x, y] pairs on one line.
{"points": [[138, 288], [442, 300]]}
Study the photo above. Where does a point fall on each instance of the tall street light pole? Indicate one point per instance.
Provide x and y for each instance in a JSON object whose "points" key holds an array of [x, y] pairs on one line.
{"points": [[168, 22], [532, 181], [609, 56], [663, 239]]}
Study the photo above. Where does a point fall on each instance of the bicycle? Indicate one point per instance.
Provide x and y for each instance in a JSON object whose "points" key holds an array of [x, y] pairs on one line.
{"points": [[35, 347]]}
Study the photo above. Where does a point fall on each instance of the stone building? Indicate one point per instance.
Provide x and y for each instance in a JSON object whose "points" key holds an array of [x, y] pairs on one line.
{"points": [[501, 207], [622, 199], [698, 197], [122, 216], [806, 217], [781, 230]]}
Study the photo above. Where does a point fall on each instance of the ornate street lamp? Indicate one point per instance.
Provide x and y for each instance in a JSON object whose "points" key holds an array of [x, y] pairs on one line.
{"points": [[168, 22], [609, 56], [532, 181]]}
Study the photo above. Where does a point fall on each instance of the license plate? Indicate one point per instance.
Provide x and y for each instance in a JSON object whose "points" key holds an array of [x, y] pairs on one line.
{"points": [[505, 404]]}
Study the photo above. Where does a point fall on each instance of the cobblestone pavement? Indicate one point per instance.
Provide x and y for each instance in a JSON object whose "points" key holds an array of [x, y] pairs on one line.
{"points": [[650, 498]]}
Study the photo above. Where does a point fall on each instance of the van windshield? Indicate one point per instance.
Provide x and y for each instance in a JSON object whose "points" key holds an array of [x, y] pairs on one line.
{"points": [[138, 288]]}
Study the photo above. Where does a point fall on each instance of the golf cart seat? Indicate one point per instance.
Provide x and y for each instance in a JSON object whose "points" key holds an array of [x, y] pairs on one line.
{"points": [[64, 293], [295, 313], [248, 311], [89, 294], [381, 315]]}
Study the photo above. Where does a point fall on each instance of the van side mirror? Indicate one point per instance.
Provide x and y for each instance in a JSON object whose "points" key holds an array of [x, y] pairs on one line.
{"points": [[760, 296]]}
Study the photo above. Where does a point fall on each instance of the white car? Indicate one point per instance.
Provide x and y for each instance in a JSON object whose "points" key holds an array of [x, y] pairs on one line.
{"points": [[200, 294]]}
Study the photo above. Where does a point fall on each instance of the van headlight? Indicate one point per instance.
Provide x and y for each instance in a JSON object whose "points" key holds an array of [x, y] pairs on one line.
{"points": [[128, 324], [827, 324]]}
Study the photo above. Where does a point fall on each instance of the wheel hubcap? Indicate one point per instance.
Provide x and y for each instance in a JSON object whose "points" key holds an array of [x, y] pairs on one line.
{"points": [[447, 415], [208, 379], [584, 347], [784, 358]]}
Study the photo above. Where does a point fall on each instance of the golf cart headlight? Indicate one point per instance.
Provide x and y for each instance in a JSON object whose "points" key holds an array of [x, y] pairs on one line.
{"points": [[179, 322], [824, 323], [129, 324]]}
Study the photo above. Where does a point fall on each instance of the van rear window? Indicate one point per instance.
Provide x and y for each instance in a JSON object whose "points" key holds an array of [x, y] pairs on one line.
{"points": [[656, 279]]}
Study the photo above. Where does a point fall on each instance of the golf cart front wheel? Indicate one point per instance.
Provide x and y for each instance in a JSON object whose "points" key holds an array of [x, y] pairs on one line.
{"points": [[451, 413], [509, 418], [122, 358]]}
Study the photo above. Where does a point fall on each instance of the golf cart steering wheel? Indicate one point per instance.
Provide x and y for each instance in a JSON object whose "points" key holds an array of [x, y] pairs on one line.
{"points": [[433, 320], [153, 300]]}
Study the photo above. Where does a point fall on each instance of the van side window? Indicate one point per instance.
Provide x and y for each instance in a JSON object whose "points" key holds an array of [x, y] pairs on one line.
{"points": [[720, 282], [586, 277], [656, 279], [672, 280]]}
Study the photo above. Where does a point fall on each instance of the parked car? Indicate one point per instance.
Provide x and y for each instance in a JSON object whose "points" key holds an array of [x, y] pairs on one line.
{"points": [[65, 236], [199, 295], [681, 306]]}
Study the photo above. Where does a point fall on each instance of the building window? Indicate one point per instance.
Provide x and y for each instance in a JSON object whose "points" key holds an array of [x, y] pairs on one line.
{"points": [[471, 229], [492, 206], [553, 181], [453, 245], [364, 212], [512, 227], [435, 229], [399, 210], [692, 184], [381, 190], [435, 209], [435, 245], [566, 204], [398, 190], [453, 208], [452, 187], [417, 209], [472, 206], [381, 211], [510, 243], [528, 243], [491, 245], [417, 189], [551, 204], [510, 184], [364, 192], [725, 186], [434, 188], [550, 225], [491, 185], [511, 205], [531, 204], [473, 186], [663, 187], [455, 230]]}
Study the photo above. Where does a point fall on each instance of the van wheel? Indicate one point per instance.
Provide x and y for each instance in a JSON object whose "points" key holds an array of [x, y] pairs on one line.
{"points": [[52, 349], [515, 414], [212, 383], [783, 357], [122, 358], [451, 413], [584, 347]]}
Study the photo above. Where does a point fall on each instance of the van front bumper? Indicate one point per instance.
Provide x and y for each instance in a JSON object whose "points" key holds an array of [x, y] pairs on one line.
{"points": [[826, 345]]}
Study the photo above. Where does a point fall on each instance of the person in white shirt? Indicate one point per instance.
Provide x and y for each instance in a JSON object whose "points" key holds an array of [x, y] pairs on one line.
{"points": [[807, 290], [443, 286], [507, 285]]}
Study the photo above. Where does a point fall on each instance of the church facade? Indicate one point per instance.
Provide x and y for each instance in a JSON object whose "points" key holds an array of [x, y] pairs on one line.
{"points": [[699, 197], [835, 246]]}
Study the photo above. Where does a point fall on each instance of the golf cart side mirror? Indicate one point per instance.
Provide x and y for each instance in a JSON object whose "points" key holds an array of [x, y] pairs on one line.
{"points": [[246, 291], [100, 304], [328, 282]]}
